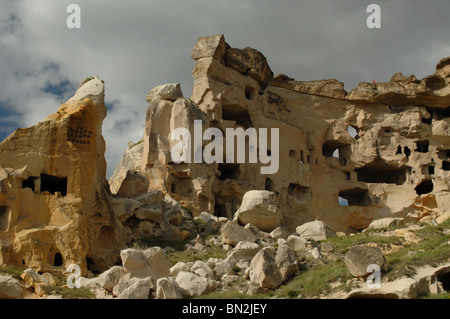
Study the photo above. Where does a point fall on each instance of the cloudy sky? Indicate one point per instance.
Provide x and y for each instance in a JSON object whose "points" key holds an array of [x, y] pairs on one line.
{"points": [[135, 45]]}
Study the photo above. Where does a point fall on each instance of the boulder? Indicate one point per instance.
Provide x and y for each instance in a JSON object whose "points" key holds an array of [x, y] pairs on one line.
{"points": [[139, 289], [212, 46], [264, 270], [151, 197], [152, 212], [167, 288], [202, 269], [108, 279], [316, 230], [286, 260], [193, 285], [170, 91], [280, 232], [249, 61], [403, 288], [232, 234], [358, 258], [11, 288], [259, 208], [244, 251], [297, 243], [386, 222], [150, 262], [133, 184]]}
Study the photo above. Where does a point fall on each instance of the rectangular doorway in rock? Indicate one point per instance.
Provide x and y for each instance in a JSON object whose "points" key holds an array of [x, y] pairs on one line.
{"points": [[53, 184], [356, 196], [4, 218], [379, 171]]}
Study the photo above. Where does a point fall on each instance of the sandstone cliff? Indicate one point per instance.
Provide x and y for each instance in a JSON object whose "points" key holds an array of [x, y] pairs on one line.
{"points": [[383, 149], [54, 195]]}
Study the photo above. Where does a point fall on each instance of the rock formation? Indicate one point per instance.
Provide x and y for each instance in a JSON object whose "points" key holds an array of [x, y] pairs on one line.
{"points": [[345, 158], [54, 196]]}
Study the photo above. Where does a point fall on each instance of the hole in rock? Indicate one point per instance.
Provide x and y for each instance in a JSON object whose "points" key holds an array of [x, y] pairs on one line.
{"points": [[237, 114], [446, 165], [57, 260], [356, 196], [250, 93], [53, 184], [336, 149], [431, 170], [407, 151], [424, 188], [399, 150], [29, 182], [268, 185], [4, 218], [444, 278], [342, 201], [228, 170], [422, 146], [353, 132], [379, 171]]}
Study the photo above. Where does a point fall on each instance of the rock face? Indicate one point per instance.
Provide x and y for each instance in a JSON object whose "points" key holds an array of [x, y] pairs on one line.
{"points": [[345, 158], [259, 208], [54, 204], [358, 258]]}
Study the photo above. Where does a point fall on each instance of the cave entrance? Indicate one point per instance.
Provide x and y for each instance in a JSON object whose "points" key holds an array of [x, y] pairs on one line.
{"points": [[237, 114], [356, 196], [379, 171], [444, 278], [29, 182], [338, 150], [228, 170], [105, 238], [422, 146], [53, 184], [425, 187], [4, 218], [58, 260]]}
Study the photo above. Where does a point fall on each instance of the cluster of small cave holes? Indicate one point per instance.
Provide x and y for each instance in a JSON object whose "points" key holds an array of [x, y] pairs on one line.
{"points": [[79, 135]]}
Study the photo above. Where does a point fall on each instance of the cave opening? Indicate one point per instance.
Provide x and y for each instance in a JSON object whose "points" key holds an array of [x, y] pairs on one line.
{"points": [[444, 278], [237, 114], [53, 184], [29, 182], [356, 196], [58, 260], [229, 170], [4, 218], [379, 171], [422, 146], [446, 165], [425, 187]]}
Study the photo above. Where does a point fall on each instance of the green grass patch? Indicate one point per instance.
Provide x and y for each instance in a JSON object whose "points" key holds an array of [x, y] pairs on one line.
{"points": [[232, 294], [315, 280], [11, 271], [343, 243], [74, 293]]}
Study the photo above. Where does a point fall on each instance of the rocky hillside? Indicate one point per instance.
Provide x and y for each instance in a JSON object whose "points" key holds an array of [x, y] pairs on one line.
{"points": [[227, 260], [343, 182]]}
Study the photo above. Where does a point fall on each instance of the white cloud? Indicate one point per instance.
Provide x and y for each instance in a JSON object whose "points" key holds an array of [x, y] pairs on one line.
{"points": [[136, 45]]}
